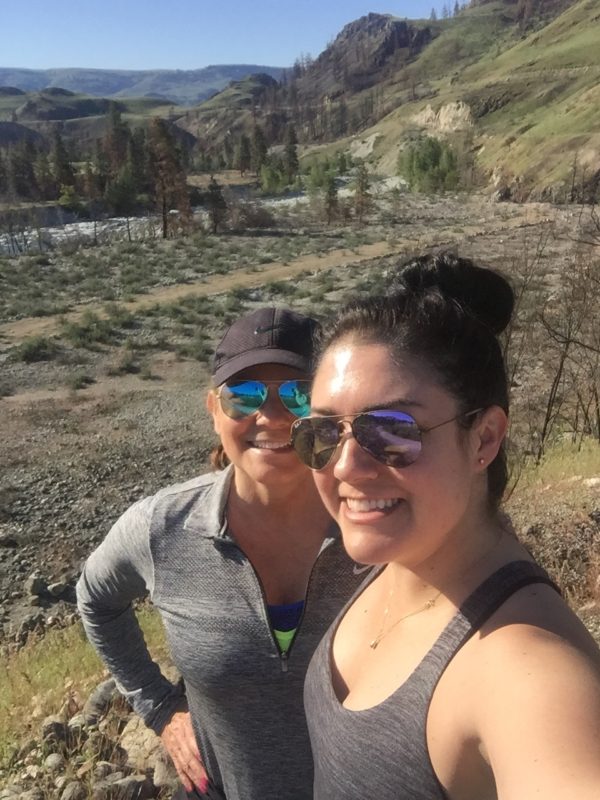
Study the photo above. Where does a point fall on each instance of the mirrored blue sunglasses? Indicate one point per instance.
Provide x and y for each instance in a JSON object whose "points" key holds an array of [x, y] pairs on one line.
{"points": [[242, 398]]}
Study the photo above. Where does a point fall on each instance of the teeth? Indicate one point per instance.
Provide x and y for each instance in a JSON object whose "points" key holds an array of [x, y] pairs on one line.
{"points": [[270, 445], [370, 505]]}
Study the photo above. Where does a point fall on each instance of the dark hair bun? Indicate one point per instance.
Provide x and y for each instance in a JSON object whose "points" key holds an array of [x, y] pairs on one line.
{"points": [[483, 293]]}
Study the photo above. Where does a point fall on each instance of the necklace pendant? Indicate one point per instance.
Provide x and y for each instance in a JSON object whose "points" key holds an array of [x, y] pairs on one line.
{"points": [[374, 643]]}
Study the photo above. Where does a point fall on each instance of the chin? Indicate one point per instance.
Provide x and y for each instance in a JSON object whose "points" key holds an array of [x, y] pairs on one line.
{"points": [[369, 547]]}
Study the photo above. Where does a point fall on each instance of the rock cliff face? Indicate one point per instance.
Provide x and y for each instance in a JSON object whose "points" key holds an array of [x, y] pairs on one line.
{"points": [[377, 37], [364, 52], [449, 118]]}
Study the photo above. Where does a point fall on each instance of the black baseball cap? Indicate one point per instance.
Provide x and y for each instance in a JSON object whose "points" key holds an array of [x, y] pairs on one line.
{"points": [[266, 336]]}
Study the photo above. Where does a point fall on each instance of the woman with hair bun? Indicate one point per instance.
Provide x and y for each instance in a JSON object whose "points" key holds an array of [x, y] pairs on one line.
{"points": [[457, 670]]}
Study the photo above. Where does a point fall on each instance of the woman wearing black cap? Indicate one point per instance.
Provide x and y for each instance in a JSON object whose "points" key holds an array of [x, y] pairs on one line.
{"points": [[247, 572]]}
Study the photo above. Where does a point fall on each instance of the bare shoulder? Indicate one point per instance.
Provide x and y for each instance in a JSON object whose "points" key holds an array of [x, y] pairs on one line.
{"points": [[538, 709], [532, 623]]}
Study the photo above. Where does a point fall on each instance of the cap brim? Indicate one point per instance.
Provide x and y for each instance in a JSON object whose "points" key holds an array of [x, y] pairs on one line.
{"points": [[264, 355]]}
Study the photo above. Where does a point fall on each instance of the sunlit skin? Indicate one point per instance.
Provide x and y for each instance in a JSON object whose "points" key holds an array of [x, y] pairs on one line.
{"points": [[258, 445], [433, 503], [517, 712]]}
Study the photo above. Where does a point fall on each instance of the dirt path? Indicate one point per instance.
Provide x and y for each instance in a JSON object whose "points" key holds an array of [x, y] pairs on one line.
{"points": [[257, 276], [253, 276]]}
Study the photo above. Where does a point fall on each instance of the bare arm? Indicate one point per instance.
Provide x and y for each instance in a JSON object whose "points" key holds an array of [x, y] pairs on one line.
{"points": [[541, 723]]}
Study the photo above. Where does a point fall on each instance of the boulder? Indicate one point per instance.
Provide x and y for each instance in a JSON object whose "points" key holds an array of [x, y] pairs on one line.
{"points": [[54, 762], [54, 729], [74, 790], [35, 585], [99, 701], [141, 745]]}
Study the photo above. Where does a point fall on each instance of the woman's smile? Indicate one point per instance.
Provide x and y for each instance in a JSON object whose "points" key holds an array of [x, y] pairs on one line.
{"points": [[389, 513]]}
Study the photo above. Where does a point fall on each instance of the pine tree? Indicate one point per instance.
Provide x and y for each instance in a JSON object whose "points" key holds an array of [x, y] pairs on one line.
{"points": [[362, 197], [215, 202], [137, 161], [342, 163], [331, 198], [100, 166], [170, 189], [116, 140], [242, 159], [62, 169], [433, 16], [228, 151], [258, 149], [19, 171], [121, 193], [290, 154], [43, 176]]}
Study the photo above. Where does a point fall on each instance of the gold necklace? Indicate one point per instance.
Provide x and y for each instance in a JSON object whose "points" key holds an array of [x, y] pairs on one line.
{"points": [[382, 632], [429, 604]]}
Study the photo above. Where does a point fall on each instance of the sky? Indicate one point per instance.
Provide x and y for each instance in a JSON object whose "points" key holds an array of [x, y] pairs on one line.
{"points": [[178, 34]]}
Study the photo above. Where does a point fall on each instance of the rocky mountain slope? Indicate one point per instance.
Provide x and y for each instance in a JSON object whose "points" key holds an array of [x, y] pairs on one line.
{"points": [[516, 84]]}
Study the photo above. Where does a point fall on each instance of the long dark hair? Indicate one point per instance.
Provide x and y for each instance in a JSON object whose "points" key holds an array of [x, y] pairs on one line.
{"points": [[447, 312]]}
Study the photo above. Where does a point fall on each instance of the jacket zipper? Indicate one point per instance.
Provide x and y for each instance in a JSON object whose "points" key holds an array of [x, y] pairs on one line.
{"points": [[312, 569], [283, 657]]}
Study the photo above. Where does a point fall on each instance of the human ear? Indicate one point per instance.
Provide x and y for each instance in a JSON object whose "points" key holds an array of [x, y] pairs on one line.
{"points": [[489, 430]]}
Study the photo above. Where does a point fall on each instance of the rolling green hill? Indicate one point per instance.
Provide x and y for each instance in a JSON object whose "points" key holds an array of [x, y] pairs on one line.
{"points": [[531, 97]]}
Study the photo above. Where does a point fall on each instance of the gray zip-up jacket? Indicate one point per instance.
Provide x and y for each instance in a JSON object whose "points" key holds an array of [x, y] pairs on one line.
{"points": [[244, 696]]}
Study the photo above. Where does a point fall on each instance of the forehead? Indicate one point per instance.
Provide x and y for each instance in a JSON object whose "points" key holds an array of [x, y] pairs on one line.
{"points": [[352, 376], [268, 372]]}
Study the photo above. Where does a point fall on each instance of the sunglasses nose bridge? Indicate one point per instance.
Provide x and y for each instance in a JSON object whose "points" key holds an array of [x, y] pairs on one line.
{"points": [[273, 406], [352, 461]]}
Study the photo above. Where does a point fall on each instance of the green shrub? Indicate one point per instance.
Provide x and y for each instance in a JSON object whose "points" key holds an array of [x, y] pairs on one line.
{"points": [[197, 348], [119, 315], [79, 380], [6, 389], [90, 330], [35, 348], [429, 165], [125, 363], [146, 372]]}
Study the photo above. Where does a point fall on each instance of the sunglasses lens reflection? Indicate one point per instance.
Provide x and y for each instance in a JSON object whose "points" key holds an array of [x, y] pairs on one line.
{"points": [[243, 398], [391, 437], [295, 396], [315, 441]]}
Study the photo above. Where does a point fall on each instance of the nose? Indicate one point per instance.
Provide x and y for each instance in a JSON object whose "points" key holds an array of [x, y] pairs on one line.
{"points": [[351, 461], [273, 411]]}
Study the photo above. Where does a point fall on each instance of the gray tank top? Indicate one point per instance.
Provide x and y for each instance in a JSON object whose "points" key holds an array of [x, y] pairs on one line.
{"points": [[381, 752]]}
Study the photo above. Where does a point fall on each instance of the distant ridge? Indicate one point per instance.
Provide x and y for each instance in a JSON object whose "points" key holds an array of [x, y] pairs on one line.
{"points": [[182, 87]]}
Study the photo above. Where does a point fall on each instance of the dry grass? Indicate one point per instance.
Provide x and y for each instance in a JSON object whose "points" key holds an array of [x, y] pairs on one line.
{"points": [[38, 679]]}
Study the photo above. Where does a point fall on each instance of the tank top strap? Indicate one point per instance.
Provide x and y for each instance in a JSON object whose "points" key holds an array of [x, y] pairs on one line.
{"points": [[502, 584], [473, 613]]}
